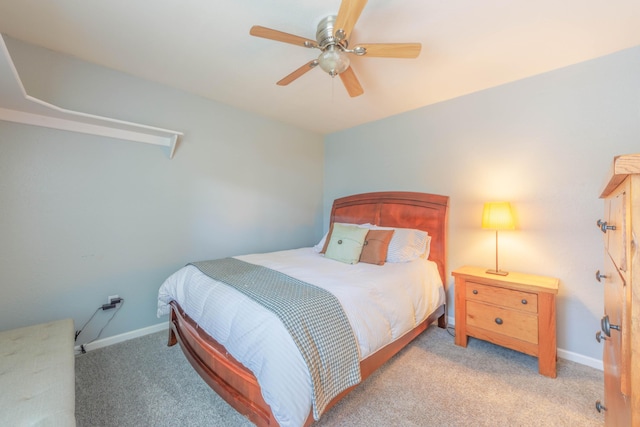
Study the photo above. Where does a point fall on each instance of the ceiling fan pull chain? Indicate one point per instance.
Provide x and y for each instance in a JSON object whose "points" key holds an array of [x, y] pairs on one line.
{"points": [[333, 88]]}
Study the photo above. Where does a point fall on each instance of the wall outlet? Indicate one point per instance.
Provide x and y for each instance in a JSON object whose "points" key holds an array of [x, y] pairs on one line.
{"points": [[112, 297]]}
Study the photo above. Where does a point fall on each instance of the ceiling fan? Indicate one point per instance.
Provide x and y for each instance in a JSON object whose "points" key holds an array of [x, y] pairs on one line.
{"points": [[332, 38]]}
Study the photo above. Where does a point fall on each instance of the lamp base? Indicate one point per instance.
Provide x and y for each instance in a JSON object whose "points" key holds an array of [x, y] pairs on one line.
{"points": [[498, 272]]}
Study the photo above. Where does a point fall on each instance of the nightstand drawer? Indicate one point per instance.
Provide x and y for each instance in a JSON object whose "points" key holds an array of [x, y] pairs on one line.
{"points": [[509, 298], [511, 323]]}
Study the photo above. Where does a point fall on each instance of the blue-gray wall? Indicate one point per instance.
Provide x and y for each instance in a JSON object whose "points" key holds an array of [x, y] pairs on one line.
{"points": [[544, 143], [85, 217]]}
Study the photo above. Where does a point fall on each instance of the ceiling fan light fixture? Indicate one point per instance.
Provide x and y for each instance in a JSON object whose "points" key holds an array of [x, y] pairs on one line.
{"points": [[333, 60]]}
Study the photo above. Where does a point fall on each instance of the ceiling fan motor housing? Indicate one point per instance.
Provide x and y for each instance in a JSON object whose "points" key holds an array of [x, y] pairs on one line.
{"points": [[333, 58], [324, 33]]}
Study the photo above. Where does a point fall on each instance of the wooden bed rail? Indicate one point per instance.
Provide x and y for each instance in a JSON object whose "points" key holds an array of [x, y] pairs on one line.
{"points": [[238, 386]]}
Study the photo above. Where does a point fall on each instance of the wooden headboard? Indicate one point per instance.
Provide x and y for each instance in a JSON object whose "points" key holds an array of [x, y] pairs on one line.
{"points": [[427, 212]]}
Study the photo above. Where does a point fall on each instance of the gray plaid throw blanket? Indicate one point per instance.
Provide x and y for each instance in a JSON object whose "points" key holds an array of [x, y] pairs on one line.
{"points": [[313, 316]]}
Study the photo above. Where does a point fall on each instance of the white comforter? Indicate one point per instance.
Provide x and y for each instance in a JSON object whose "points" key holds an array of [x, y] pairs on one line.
{"points": [[382, 303]]}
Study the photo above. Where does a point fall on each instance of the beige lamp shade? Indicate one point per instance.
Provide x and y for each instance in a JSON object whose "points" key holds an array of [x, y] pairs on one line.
{"points": [[497, 216]]}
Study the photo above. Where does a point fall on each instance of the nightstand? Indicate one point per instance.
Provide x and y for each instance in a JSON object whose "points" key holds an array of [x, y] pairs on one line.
{"points": [[517, 311]]}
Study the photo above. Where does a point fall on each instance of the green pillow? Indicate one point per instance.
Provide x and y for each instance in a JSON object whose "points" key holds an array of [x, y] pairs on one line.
{"points": [[346, 243]]}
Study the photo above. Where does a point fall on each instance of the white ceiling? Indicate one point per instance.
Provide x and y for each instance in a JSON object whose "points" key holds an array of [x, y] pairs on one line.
{"points": [[204, 47]]}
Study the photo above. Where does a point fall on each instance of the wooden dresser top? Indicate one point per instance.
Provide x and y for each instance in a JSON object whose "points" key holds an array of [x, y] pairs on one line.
{"points": [[622, 167]]}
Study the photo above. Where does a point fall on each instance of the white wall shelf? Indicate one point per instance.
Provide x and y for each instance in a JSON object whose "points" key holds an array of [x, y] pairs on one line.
{"points": [[18, 106]]}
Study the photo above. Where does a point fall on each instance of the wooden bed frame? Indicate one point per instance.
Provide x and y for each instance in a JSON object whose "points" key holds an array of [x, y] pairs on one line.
{"points": [[236, 384]]}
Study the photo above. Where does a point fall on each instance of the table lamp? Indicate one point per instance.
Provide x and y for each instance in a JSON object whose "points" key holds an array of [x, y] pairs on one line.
{"points": [[497, 216]]}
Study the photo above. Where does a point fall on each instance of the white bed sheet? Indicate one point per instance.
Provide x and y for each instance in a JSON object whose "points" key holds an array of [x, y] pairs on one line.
{"points": [[382, 303]]}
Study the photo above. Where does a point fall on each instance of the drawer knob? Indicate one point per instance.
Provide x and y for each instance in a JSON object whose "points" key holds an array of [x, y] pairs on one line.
{"points": [[475, 292], [498, 321], [607, 326], [600, 276], [599, 337], [600, 407], [524, 301], [604, 227]]}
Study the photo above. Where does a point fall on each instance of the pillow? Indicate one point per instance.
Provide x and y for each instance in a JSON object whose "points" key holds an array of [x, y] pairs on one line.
{"points": [[326, 240], [407, 244], [321, 247], [425, 255], [374, 250], [345, 243]]}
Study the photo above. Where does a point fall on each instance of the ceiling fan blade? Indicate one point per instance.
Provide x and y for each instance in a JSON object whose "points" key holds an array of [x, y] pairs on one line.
{"points": [[297, 73], [348, 15], [351, 83], [268, 33], [391, 50]]}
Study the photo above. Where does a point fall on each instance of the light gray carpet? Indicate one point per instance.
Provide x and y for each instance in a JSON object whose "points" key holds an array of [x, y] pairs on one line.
{"points": [[432, 382]]}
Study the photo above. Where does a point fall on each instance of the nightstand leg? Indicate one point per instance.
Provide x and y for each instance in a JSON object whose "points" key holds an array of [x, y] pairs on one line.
{"points": [[547, 347], [461, 338]]}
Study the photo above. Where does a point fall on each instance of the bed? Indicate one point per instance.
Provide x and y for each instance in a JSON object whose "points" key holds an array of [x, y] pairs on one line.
{"points": [[245, 388]]}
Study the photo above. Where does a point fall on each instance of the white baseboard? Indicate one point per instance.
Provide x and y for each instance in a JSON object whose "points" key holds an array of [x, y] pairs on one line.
{"points": [[581, 359], [105, 342], [562, 354]]}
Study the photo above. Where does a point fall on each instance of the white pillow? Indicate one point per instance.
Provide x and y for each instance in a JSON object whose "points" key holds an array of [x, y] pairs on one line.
{"points": [[425, 255], [407, 244], [322, 241]]}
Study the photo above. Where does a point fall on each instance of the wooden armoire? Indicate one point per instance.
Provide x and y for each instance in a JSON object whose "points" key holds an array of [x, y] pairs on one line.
{"points": [[620, 324]]}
